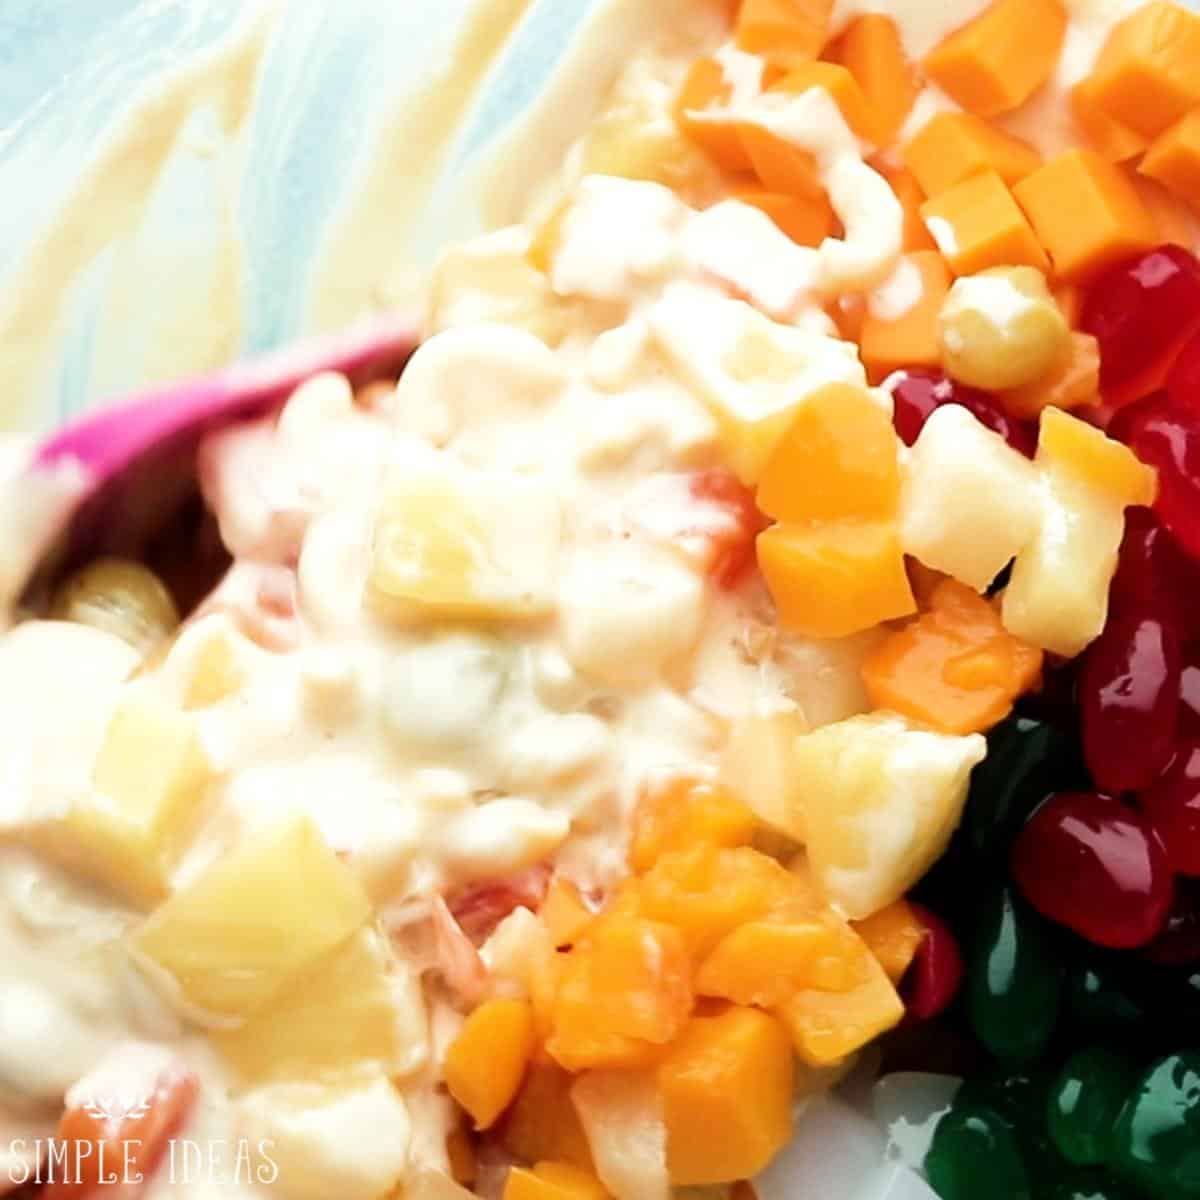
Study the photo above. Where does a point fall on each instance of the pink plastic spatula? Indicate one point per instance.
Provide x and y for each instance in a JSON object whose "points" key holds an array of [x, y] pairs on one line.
{"points": [[102, 484]]}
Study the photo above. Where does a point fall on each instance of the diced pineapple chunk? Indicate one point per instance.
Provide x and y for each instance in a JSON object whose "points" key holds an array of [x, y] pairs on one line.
{"points": [[490, 279], [347, 1018], [758, 765], [1057, 598], [879, 803], [248, 926], [313, 1137], [969, 501], [637, 225], [456, 544], [752, 372], [476, 377], [1084, 450], [147, 784]]}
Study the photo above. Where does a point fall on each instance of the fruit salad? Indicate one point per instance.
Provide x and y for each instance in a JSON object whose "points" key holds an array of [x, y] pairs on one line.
{"points": [[748, 652]]}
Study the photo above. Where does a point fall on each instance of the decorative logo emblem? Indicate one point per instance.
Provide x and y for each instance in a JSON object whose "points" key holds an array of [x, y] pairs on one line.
{"points": [[118, 1106]]}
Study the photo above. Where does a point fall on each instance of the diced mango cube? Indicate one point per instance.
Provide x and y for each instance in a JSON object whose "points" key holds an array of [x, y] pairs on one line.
{"points": [[751, 372], [1174, 159], [893, 935], [1107, 465], [706, 87], [977, 224], [827, 1026], [727, 1097], [907, 190], [807, 220], [838, 460], [542, 1122], [890, 343], [996, 62], [1073, 383], [1116, 142], [624, 992], [953, 146], [486, 1062], [955, 669], [779, 166], [1057, 596], [835, 579], [563, 911], [1086, 212], [763, 963], [346, 1017], [969, 501], [705, 893], [785, 32], [683, 813], [757, 763], [1145, 76], [147, 786], [553, 1181], [456, 544], [842, 88], [882, 800], [254, 921], [871, 50]]}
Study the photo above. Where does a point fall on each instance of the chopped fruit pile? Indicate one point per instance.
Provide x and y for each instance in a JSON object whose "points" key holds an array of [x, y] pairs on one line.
{"points": [[705, 973]]}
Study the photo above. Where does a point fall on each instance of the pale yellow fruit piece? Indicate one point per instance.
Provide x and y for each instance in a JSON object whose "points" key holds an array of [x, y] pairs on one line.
{"points": [[1057, 598], [344, 1018], [217, 669], [247, 927], [751, 372], [120, 596], [969, 500], [491, 280], [312, 1136], [147, 786], [455, 544], [759, 765], [879, 801], [1098, 460]]}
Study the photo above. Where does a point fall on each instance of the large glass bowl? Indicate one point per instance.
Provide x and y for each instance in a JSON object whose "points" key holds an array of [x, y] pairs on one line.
{"points": [[95, 301]]}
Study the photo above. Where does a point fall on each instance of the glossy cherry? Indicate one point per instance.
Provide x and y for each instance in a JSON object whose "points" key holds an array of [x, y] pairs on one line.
{"points": [[1168, 438], [933, 981], [1183, 383], [1129, 702], [1172, 804], [1142, 312], [917, 392], [1179, 943], [1154, 576], [1188, 724], [1093, 864]]}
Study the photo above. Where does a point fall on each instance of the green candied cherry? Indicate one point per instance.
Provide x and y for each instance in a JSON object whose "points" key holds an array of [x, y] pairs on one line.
{"points": [[1020, 1098], [1084, 1103], [1026, 760], [1156, 1143], [1089, 1184], [975, 1155], [1014, 984], [1098, 999]]}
